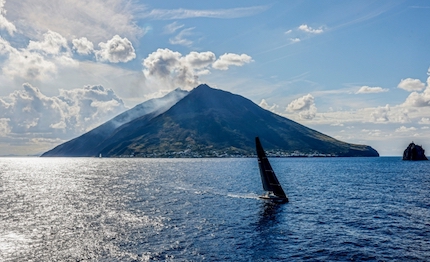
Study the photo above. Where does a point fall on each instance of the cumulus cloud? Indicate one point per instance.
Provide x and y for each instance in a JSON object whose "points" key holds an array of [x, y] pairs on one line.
{"points": [[372, 133], [29, 66], [52, 44], [380, 114], [305, 106], [308, 29], [266, 106], [5, 47], [295, 40], [83, 46], [302, 103], [173, 69], [4, 126], [116, 50], [230, 59], [424, 121], [69, 114], [199, 60], [40, 60], [410, 84], [416, 98], [4, 23], [404, 129], [164, 64], [371, 90], [303, 32], [402, 116]]}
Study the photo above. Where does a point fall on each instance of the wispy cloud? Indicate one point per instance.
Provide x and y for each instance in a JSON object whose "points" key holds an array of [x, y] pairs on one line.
{"points": [[181, 38], [72, 18], [172, 28], [172, 14]]}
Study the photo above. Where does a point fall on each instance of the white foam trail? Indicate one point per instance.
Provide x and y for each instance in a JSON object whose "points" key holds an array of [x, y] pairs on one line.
{"points": [[246, 196]]}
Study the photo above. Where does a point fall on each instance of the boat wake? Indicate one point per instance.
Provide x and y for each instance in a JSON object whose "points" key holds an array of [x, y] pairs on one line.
{"points": [[246, 196], [213, 191]]}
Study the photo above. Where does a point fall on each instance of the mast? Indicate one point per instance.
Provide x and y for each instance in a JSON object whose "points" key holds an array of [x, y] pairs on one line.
{"points": [[268, 177]]}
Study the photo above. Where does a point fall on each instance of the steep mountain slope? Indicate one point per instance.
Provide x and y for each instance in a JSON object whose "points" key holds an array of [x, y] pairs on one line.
{"points": [[210, 121], [89, 143]]}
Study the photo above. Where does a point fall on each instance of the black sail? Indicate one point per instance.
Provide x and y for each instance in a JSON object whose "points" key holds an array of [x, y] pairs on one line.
{"points": [[268, 177]]}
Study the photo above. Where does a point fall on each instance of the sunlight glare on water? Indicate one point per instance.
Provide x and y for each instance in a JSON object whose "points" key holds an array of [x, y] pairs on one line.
{"points": [[208, 209]]}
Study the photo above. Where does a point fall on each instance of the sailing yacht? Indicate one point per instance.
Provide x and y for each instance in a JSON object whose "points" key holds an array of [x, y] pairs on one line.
{"points": [[271, 185]]}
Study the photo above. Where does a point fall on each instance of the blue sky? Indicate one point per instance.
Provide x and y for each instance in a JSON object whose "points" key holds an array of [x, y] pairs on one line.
{"points": [[355, 70]]}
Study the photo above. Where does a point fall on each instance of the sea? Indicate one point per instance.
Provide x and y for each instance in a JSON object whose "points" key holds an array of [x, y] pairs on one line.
{"points": [[134, 209]]}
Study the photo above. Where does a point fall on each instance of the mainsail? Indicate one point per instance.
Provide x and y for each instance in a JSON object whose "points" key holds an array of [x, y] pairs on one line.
{"points": [[268, 177]]}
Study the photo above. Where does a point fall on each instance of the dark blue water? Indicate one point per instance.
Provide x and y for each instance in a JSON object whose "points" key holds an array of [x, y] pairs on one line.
{"points": [[91, 209]]}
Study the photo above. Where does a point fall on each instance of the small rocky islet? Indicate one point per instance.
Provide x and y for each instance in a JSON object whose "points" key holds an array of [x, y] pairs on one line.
{"points": [[414, 152]]}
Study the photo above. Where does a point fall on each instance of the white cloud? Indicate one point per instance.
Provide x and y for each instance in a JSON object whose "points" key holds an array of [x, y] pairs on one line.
{"points": [[5, 47], [428, 78], [39, 61], [172, 14], [416, 99], [172, 28], [302, 103], [4, 23], [97, 20], [163, 64], [371, 90], [200, 60], [308, 29], [288, 32], [116, 50], [83, 46], [53, 44], [410, 84], [305, 106], [372, 133], [66, 115], [29, 66], [229, 59], [402, 116], [181, 38], [175, 70], [4, 125], [295, 40], [424, 121], [170, 69], [404, 129], [380, 114], [266, 106]]}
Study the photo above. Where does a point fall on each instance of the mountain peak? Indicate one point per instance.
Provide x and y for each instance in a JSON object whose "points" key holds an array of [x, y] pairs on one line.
{"points": [[212, 122], [202, 86]]}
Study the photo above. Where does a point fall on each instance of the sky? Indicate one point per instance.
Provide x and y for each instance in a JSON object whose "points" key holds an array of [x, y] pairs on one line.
{"points": [[358, 71]]}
